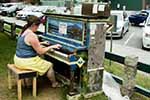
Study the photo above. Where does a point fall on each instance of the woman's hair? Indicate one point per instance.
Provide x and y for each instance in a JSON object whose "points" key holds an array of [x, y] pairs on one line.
{"points": [[31, 20]]}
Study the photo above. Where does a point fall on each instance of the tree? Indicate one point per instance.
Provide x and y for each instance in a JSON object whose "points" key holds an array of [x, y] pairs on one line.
{"points": [[4, 1], [35, 2]]}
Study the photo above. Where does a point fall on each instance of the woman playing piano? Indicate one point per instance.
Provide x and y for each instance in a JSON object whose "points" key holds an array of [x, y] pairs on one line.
{"points": [[28, 49]]}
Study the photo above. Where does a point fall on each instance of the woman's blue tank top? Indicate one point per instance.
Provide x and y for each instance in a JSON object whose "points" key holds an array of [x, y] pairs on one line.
{"points": [[23, 50]]}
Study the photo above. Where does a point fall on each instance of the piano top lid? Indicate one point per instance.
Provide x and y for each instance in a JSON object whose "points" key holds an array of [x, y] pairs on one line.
{"points": [[79, 17]]}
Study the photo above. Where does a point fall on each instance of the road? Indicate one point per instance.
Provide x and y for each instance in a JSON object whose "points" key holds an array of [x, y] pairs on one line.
{"points": [[133, 38]]}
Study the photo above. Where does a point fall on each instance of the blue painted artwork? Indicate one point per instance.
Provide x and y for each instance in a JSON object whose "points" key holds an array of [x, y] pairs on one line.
{"points": [[68, 29]]}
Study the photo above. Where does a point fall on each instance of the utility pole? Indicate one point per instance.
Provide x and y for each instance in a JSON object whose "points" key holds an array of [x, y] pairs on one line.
{"points": [[143, 4]]}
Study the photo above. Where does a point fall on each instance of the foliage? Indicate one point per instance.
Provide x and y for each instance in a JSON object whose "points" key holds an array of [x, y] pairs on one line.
{"points": [[34, 2]]}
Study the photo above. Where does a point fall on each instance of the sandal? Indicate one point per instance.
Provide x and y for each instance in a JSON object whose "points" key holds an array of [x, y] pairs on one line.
{"points": [[57, 85]]}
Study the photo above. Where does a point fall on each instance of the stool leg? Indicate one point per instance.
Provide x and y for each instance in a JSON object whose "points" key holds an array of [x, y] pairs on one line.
{"points": [[19, 89], [9, 80], [34, 86]]}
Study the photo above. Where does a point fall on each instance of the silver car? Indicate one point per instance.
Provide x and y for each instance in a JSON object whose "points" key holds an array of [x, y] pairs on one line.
{"points": [[122, 25]]}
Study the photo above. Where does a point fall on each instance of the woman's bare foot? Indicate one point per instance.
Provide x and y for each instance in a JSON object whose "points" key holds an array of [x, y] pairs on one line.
{"points": [[56, 85]]}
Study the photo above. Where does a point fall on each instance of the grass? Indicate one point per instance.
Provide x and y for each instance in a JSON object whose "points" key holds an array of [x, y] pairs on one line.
{"points": [[7, 51], [45, 92], [117, 69]]}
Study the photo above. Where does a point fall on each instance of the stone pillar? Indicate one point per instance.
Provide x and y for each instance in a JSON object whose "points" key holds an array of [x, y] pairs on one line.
{"points": [[130, 71], [95, 59], [1, 25], [13, 30]]}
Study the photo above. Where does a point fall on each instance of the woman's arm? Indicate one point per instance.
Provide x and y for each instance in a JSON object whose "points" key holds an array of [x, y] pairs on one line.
{"points": [[35, 43], [44, 43]]}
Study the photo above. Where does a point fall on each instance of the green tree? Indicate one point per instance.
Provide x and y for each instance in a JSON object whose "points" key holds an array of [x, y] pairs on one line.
{"points": [[35, 2]]}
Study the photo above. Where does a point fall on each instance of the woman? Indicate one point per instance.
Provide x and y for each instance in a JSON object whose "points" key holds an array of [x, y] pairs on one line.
{"points": [[28, 49]]}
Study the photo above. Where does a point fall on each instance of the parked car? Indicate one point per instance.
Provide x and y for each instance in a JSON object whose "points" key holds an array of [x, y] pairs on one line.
{"points": [[122, 24], [23, 14], [31, 11], [4, 6], [146, 35], [139, 17], [9, 9]]}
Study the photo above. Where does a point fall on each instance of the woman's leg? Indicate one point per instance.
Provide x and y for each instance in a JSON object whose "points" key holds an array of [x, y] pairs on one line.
{"points": [[51, 77]]}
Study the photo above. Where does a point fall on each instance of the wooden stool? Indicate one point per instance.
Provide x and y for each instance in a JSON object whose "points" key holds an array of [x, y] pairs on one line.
{"points": [[21, 74]]}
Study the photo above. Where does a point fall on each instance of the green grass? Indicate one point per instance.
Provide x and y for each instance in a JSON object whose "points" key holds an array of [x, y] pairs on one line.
{"points": [[18, 30], [7, 51]]}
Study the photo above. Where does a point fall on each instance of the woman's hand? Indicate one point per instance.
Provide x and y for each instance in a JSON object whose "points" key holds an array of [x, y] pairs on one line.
{"points": [[56, 46]]}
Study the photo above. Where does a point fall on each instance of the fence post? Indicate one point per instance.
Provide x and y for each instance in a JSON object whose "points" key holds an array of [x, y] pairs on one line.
{"points": [[1, 25], [13, 30], [130, 71]]}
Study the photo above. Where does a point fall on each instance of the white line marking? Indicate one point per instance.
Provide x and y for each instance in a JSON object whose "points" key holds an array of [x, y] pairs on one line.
{"points": [[125, 43]]}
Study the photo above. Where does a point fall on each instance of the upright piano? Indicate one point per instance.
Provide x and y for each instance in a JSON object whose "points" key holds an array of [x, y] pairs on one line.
{"points": [[81, 56]]}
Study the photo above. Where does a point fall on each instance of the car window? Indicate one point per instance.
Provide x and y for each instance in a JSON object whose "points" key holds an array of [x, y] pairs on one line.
{"points": [[28, 8], [119, 16], [40, 9], [143, 13], [9, 5]]}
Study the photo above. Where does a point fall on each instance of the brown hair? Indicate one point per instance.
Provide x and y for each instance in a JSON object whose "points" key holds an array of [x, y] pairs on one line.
{"points": [[31, 20]]}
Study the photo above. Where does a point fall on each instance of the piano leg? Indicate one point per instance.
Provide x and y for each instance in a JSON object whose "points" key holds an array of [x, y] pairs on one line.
{"points": [[71, 88], [73, 67]]}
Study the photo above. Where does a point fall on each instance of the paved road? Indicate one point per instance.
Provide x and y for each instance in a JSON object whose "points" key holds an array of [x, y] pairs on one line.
{"points": [[133, 38]]}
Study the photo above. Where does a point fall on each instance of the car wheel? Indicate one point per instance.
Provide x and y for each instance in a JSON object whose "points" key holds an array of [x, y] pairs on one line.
{"points": [[132, 24], [13, 14], [144, 22], [143, 46], [127, 30], [122, 34], [136, 24]]}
